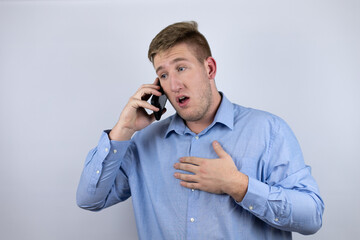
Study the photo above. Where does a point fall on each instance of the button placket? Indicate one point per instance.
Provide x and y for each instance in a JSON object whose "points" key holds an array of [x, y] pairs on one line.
{"points": [[193, 197]]}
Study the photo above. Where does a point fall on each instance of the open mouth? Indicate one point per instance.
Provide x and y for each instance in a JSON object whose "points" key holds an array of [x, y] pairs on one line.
{"points": [[183, 100]]}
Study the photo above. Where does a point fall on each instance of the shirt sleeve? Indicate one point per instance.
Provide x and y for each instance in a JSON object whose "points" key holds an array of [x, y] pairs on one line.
{"points": [[104, 182], [288, 198]]}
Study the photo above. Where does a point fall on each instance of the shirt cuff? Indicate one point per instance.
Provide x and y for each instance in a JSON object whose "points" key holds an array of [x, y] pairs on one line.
{"points": [[112, 147], [256, 197], [108, 152]]}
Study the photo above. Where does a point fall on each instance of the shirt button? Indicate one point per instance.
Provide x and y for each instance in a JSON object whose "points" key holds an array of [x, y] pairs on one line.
{"points": [[192, 220], [276, 219], [97, 171], [196, 137], [192, 189], [106, 149], [251, 207], [115, 151]]}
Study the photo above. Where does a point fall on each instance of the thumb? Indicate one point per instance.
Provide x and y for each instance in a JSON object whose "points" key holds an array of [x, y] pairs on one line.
{"points": [[219, 150]]}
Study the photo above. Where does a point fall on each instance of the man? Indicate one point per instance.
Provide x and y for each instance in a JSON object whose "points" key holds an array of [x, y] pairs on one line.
{"points": [[214, 170]]}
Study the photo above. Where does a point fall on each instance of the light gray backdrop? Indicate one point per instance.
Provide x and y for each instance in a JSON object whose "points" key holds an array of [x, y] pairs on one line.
{"points": [[67, 68]]}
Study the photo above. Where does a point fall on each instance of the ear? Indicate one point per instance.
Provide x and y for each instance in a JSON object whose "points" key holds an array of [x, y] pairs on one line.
{"points": [[210, 65]]}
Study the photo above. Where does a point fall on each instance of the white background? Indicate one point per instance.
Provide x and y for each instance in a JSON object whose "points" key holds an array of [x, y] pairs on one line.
{"points": [[67, 68]]}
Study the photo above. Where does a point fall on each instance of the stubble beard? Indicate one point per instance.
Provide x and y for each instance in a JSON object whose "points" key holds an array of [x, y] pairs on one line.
{"points": [[205, 101]]}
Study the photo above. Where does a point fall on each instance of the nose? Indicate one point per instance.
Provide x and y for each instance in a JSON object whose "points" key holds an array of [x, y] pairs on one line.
{"points": [[175, 84]]}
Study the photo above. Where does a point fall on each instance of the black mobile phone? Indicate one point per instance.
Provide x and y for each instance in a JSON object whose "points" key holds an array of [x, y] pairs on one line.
{"points": [[159, 102]]}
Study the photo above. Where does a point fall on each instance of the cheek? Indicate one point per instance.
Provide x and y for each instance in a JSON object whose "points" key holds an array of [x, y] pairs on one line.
{"points": [[199, 82], [192, 80], [165, 86]]}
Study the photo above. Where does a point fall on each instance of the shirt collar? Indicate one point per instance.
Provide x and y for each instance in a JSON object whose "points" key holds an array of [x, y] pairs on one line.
{"points": [[224, 115]]}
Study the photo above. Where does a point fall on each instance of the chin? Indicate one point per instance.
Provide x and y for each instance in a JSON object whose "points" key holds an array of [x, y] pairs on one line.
{"points": [[190, 117]]}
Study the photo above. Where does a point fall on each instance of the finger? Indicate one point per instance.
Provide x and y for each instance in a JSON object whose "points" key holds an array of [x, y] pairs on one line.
{"points": [[136, 103], [157, 80], [191, 185], [147, 89], [145, 93], [147, 86], [192, 160], [186, 177], [219, 150], [150, 86], [186, 167]]}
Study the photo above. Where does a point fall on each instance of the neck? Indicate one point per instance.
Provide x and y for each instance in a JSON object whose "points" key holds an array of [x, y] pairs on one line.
{"points": [[200, 125]]}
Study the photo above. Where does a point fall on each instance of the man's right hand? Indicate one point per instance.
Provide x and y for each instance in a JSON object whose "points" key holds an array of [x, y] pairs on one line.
{"points": [[134, 117]]}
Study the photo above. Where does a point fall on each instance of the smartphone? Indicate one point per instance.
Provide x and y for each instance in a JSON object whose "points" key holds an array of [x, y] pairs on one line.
{"points": [[159, 102]]}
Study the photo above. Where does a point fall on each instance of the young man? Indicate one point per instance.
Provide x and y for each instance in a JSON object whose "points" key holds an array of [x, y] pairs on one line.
{"points": [[214, 170]]}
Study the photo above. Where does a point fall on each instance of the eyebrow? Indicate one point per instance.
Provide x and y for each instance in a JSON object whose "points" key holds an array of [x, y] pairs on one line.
{"points": [[172, 62]]}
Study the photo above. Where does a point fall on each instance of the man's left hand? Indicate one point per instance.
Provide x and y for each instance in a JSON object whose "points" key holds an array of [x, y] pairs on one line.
{"points": [[219, 175]]}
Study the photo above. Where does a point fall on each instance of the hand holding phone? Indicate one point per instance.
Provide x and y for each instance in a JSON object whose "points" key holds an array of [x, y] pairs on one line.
{"points": [[159, 102]]}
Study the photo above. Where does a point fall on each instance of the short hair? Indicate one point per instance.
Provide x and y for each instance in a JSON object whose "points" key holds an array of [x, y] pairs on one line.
{"points": [[181, 32]]}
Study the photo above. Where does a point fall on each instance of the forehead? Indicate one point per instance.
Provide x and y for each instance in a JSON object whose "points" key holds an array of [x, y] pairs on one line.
{"points": [[181, 50]]}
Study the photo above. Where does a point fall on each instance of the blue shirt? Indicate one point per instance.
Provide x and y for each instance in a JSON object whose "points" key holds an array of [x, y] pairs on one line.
{"points": [[282, 195]]}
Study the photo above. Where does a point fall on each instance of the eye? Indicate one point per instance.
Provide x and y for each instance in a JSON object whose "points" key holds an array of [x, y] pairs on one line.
{"points": [[181, 69], [163, 76]]}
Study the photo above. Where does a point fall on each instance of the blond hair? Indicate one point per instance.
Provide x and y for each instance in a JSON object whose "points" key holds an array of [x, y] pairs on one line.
{"points": [[181, 32]]}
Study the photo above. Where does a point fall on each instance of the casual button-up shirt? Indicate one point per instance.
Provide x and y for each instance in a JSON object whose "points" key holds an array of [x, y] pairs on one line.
{"points": [[282, 195]]}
